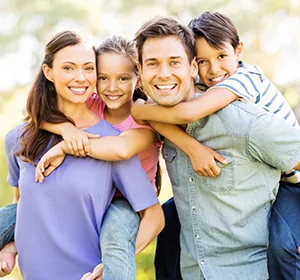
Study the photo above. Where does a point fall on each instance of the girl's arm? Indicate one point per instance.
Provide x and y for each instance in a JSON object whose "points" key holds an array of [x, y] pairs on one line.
{"points": [[76, 139], [110, 148], [202, 157], [152, 223], [185, 112]]}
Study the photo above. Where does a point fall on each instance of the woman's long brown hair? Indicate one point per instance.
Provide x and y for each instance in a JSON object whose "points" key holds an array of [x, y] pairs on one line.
{"points": [[42, 103]]}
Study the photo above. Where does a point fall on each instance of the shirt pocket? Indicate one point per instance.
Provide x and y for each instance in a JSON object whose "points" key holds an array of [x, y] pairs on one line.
{"points": [[226, 180], [169, 154]]}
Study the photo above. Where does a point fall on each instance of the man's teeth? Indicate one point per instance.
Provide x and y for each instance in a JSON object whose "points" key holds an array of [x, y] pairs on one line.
{"points": [[79, 90], [165, 87], [217, 79], [112, 97]]}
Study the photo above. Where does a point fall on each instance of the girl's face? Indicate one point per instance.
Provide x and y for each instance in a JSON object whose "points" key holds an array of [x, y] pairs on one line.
{"points": [[116, 80], [73, 74]]}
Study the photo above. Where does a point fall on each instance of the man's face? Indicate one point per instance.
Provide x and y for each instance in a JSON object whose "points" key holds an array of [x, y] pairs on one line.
{"points": [[216, 65], [166, 73]]}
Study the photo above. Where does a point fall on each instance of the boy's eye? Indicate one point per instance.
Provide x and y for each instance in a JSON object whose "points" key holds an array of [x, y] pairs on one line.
{"points": [[200, 62], [222, 56]]}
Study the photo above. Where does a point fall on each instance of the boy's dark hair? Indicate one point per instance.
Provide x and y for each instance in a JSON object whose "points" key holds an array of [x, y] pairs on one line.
{"points": [[160, 27], [216, 29]]}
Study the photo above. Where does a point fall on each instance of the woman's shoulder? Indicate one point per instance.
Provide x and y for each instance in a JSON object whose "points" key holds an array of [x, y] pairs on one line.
{"points": [[12, 136]]}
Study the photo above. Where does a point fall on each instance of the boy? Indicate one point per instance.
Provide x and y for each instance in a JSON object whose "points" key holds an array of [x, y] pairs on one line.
{"points": [[219, 51]]}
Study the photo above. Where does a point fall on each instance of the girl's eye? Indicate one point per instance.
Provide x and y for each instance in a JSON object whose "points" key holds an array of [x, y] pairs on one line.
{"points": [[124, 79], [102, 78]]}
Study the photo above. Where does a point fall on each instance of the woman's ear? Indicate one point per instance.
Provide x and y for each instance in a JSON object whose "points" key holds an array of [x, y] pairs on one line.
{"points": [[47, 72]]}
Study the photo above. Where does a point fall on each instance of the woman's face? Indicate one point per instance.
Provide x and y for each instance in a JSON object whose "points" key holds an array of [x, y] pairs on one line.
{"points": [[73, 74], [116, 80]]}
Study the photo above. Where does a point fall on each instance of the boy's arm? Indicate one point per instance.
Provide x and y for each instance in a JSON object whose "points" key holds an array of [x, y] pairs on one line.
{"points": [[185, 112], [202, 157], [76, 140]]}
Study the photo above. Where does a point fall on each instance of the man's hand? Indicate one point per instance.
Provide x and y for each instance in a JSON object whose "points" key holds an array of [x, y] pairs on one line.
{"points": [[50, 161], [204, 159], [77, 140], [95, 275], [7, 259]]}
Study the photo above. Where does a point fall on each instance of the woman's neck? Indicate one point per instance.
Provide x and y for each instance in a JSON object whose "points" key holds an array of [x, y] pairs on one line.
{"points": [[81, 115], [116, 116]]}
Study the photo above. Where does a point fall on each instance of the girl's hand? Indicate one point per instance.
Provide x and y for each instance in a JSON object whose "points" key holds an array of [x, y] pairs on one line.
{"points": [[137, 107], [77, 141], [50, 161]]}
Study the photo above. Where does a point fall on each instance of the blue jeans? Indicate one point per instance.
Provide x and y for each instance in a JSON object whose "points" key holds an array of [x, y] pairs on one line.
{"points": [[117, 240], [7, 223], [283, 258], [167, 255]]}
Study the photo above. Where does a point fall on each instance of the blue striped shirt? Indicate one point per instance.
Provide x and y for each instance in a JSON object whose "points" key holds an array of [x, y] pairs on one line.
{"points": [[252, 86]]}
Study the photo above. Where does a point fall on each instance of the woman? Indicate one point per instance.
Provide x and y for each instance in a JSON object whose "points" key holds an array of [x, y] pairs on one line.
{"points": [[58, 223]]}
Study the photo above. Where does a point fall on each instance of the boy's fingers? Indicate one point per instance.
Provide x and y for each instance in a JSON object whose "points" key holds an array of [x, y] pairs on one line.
{"points": [[219, 158]]}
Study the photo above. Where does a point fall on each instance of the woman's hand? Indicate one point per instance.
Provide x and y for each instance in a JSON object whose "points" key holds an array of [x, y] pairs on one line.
{"points": [[7, 259], [95, 275]]}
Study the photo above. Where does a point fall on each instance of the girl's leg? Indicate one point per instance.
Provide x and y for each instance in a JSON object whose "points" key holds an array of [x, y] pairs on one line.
{"points": [[167, 256], [283, 256], [117, 240], [7, 223]]}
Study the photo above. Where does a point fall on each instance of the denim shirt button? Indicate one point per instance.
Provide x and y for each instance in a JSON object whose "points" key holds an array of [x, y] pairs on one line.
{"points": [[191, 179], [202, 262], [193, 208], [197, 235]]}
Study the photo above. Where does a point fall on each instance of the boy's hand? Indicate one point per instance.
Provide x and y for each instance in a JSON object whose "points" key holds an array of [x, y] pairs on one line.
{"points": [[204, 159], [95, 275], [136, 107], [77, 140], [50, 161], [7, 259]]}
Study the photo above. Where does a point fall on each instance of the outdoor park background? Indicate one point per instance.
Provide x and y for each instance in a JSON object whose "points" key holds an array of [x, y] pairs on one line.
{"points": [[269, 29]]}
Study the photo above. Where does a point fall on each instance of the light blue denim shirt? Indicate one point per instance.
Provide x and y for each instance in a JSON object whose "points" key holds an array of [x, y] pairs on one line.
{"points": [[224, 220]]}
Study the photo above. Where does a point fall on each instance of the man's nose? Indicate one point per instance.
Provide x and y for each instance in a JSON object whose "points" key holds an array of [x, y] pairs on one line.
{"points": [[164, 71]]}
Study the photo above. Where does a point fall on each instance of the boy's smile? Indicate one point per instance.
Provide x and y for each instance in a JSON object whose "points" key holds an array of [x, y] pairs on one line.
{"points": [[216, 65]]}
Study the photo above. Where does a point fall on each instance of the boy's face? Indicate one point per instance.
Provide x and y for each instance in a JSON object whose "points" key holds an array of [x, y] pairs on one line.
{"points": [[215, 65], [167, 74]]}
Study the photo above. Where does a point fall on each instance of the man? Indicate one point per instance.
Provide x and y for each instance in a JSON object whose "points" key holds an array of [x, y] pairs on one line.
{"points": [[224, 219]]}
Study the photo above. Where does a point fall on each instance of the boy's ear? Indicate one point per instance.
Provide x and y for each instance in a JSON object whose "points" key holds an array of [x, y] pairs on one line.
{"points": [[239, 51], [194, 66], [47, 72]]}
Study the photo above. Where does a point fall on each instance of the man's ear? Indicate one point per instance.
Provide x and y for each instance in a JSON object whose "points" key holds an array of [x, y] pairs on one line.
{"points": [[194, 69], [239, 51], [139, 67], [138, 82], [47, 72]]}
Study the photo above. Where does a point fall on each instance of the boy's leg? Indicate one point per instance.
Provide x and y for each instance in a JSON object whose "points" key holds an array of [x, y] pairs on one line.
{"points": [[118, 239], [283, 256], [167, 256], [7, 223]]}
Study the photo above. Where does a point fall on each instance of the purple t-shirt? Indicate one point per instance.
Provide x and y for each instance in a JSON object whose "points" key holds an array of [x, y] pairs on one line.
{"points": [[58, 222]]}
